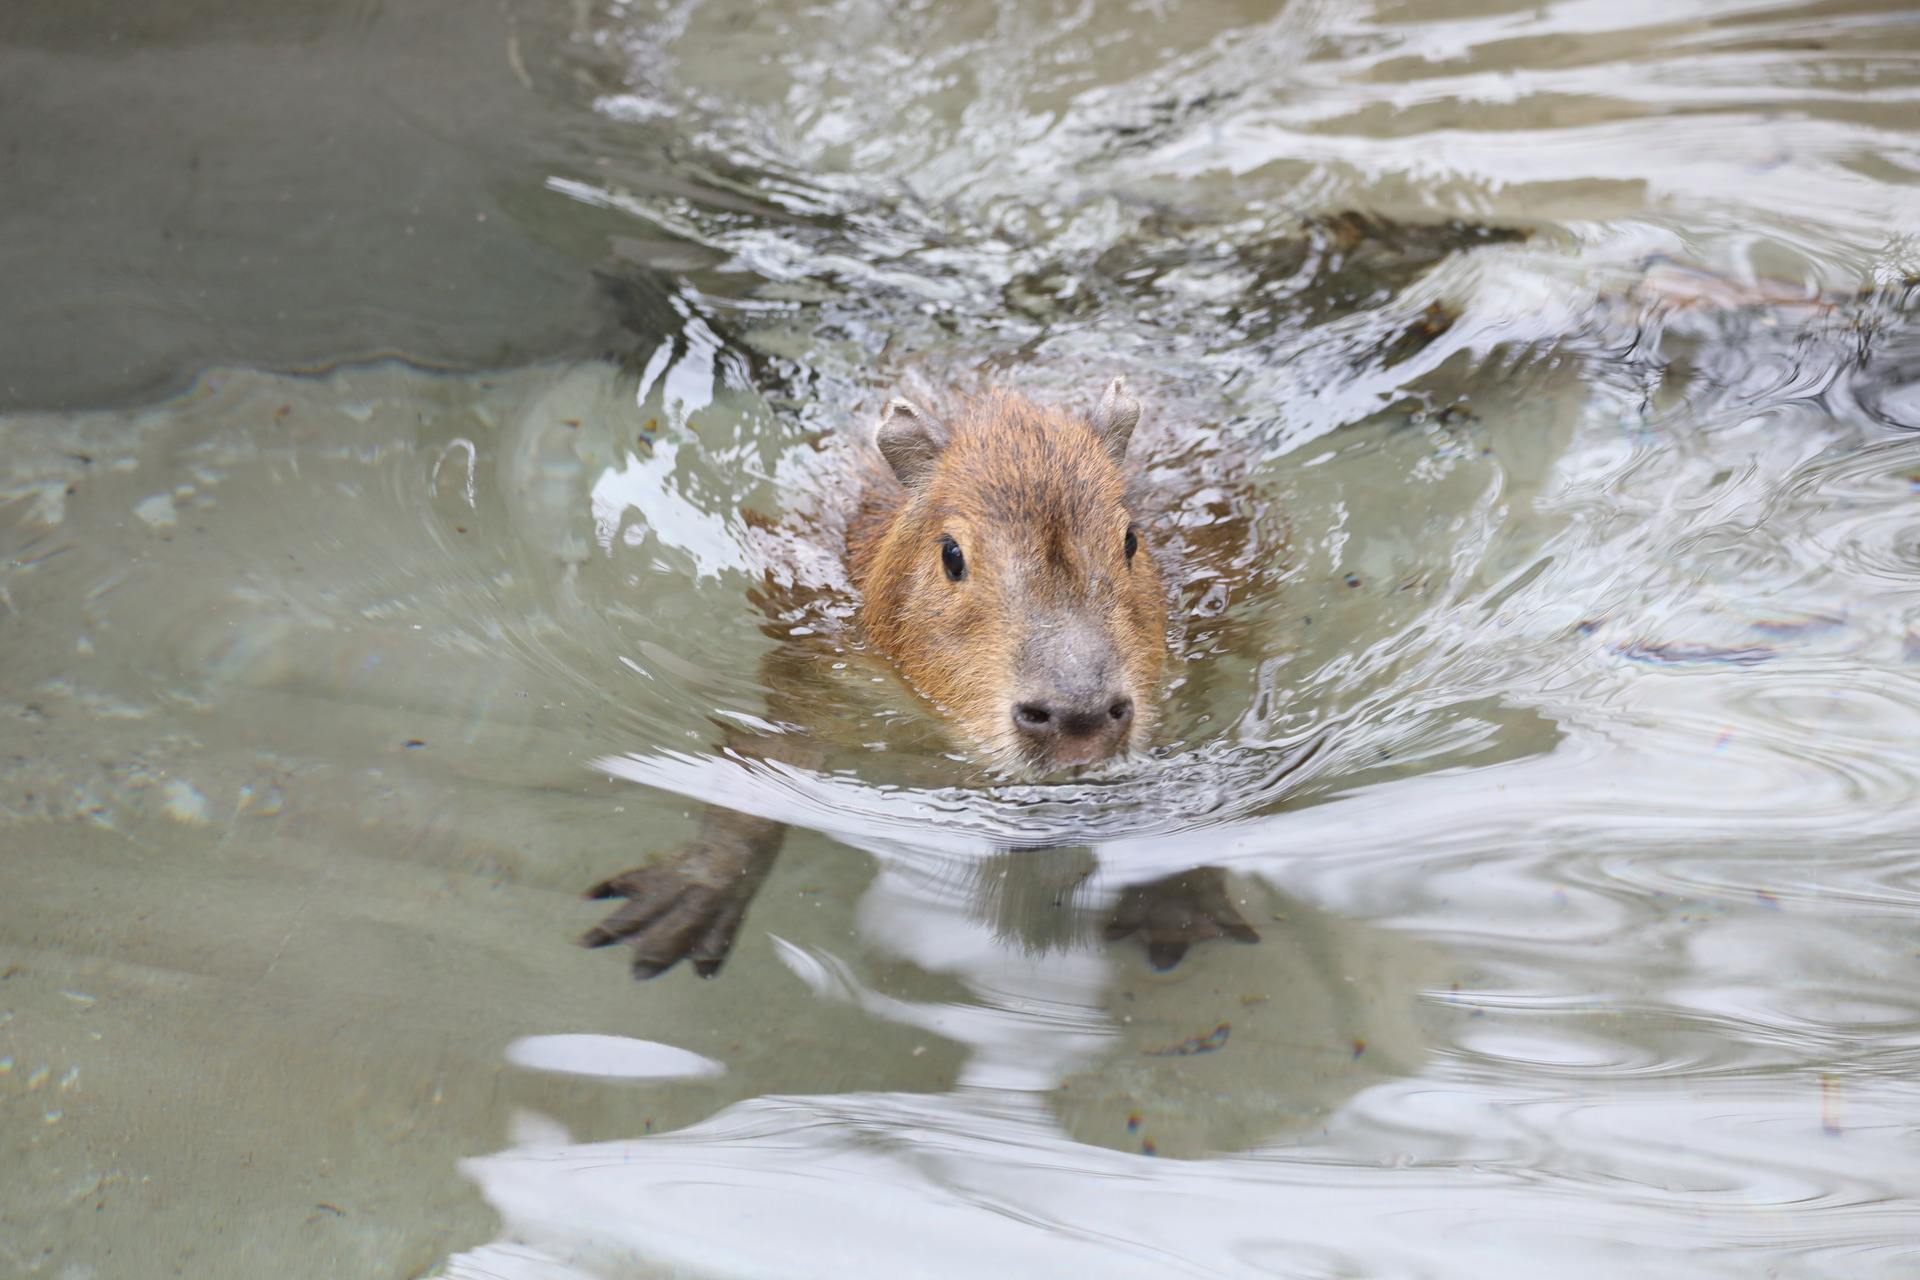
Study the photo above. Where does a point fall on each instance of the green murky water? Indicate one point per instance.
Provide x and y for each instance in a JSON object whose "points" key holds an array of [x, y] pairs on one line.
{"points": [[383, 387]]}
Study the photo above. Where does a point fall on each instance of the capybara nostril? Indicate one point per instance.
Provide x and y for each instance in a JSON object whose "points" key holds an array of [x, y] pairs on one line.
{"points": [[1076, 726], [1034, 718]]}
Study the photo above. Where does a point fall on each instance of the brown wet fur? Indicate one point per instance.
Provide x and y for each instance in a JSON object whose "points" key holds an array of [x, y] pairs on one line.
{"points": [[1040, 511]]}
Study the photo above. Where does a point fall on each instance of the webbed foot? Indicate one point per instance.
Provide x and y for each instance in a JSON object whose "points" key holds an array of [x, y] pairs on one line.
{"points": [[684, 907]]}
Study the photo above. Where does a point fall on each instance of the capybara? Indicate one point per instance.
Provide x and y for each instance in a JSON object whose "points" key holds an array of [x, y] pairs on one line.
{"points": [[1003, 560]]}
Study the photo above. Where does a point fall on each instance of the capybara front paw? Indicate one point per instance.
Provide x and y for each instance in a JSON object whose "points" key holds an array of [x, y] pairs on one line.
{"points": [[672, 911]]}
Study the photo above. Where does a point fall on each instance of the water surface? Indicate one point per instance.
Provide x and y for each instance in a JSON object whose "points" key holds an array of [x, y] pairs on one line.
{"points": [[373, 577]]}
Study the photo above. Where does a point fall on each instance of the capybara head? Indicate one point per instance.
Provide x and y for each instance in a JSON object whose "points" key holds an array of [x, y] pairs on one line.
{"points": [[1012, 586]]}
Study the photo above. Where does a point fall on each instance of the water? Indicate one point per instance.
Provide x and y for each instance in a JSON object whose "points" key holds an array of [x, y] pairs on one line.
{"points": [[1536, 389]]}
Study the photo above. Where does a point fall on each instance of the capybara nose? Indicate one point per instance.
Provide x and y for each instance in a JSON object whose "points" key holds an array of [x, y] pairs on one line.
{"points": [[1075, 731], [1036, 720]]}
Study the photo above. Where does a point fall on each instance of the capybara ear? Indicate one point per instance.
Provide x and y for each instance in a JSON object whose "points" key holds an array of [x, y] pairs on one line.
{"points": [[909, 440], [1116, 418]]}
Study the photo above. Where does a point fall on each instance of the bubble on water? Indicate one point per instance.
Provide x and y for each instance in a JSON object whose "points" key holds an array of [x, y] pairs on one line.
{"points": [[157, 511], [184, 803]]}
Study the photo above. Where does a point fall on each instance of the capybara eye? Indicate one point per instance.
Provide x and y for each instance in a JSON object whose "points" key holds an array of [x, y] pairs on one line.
{"points": [[956, 564], [1133, 542]]}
